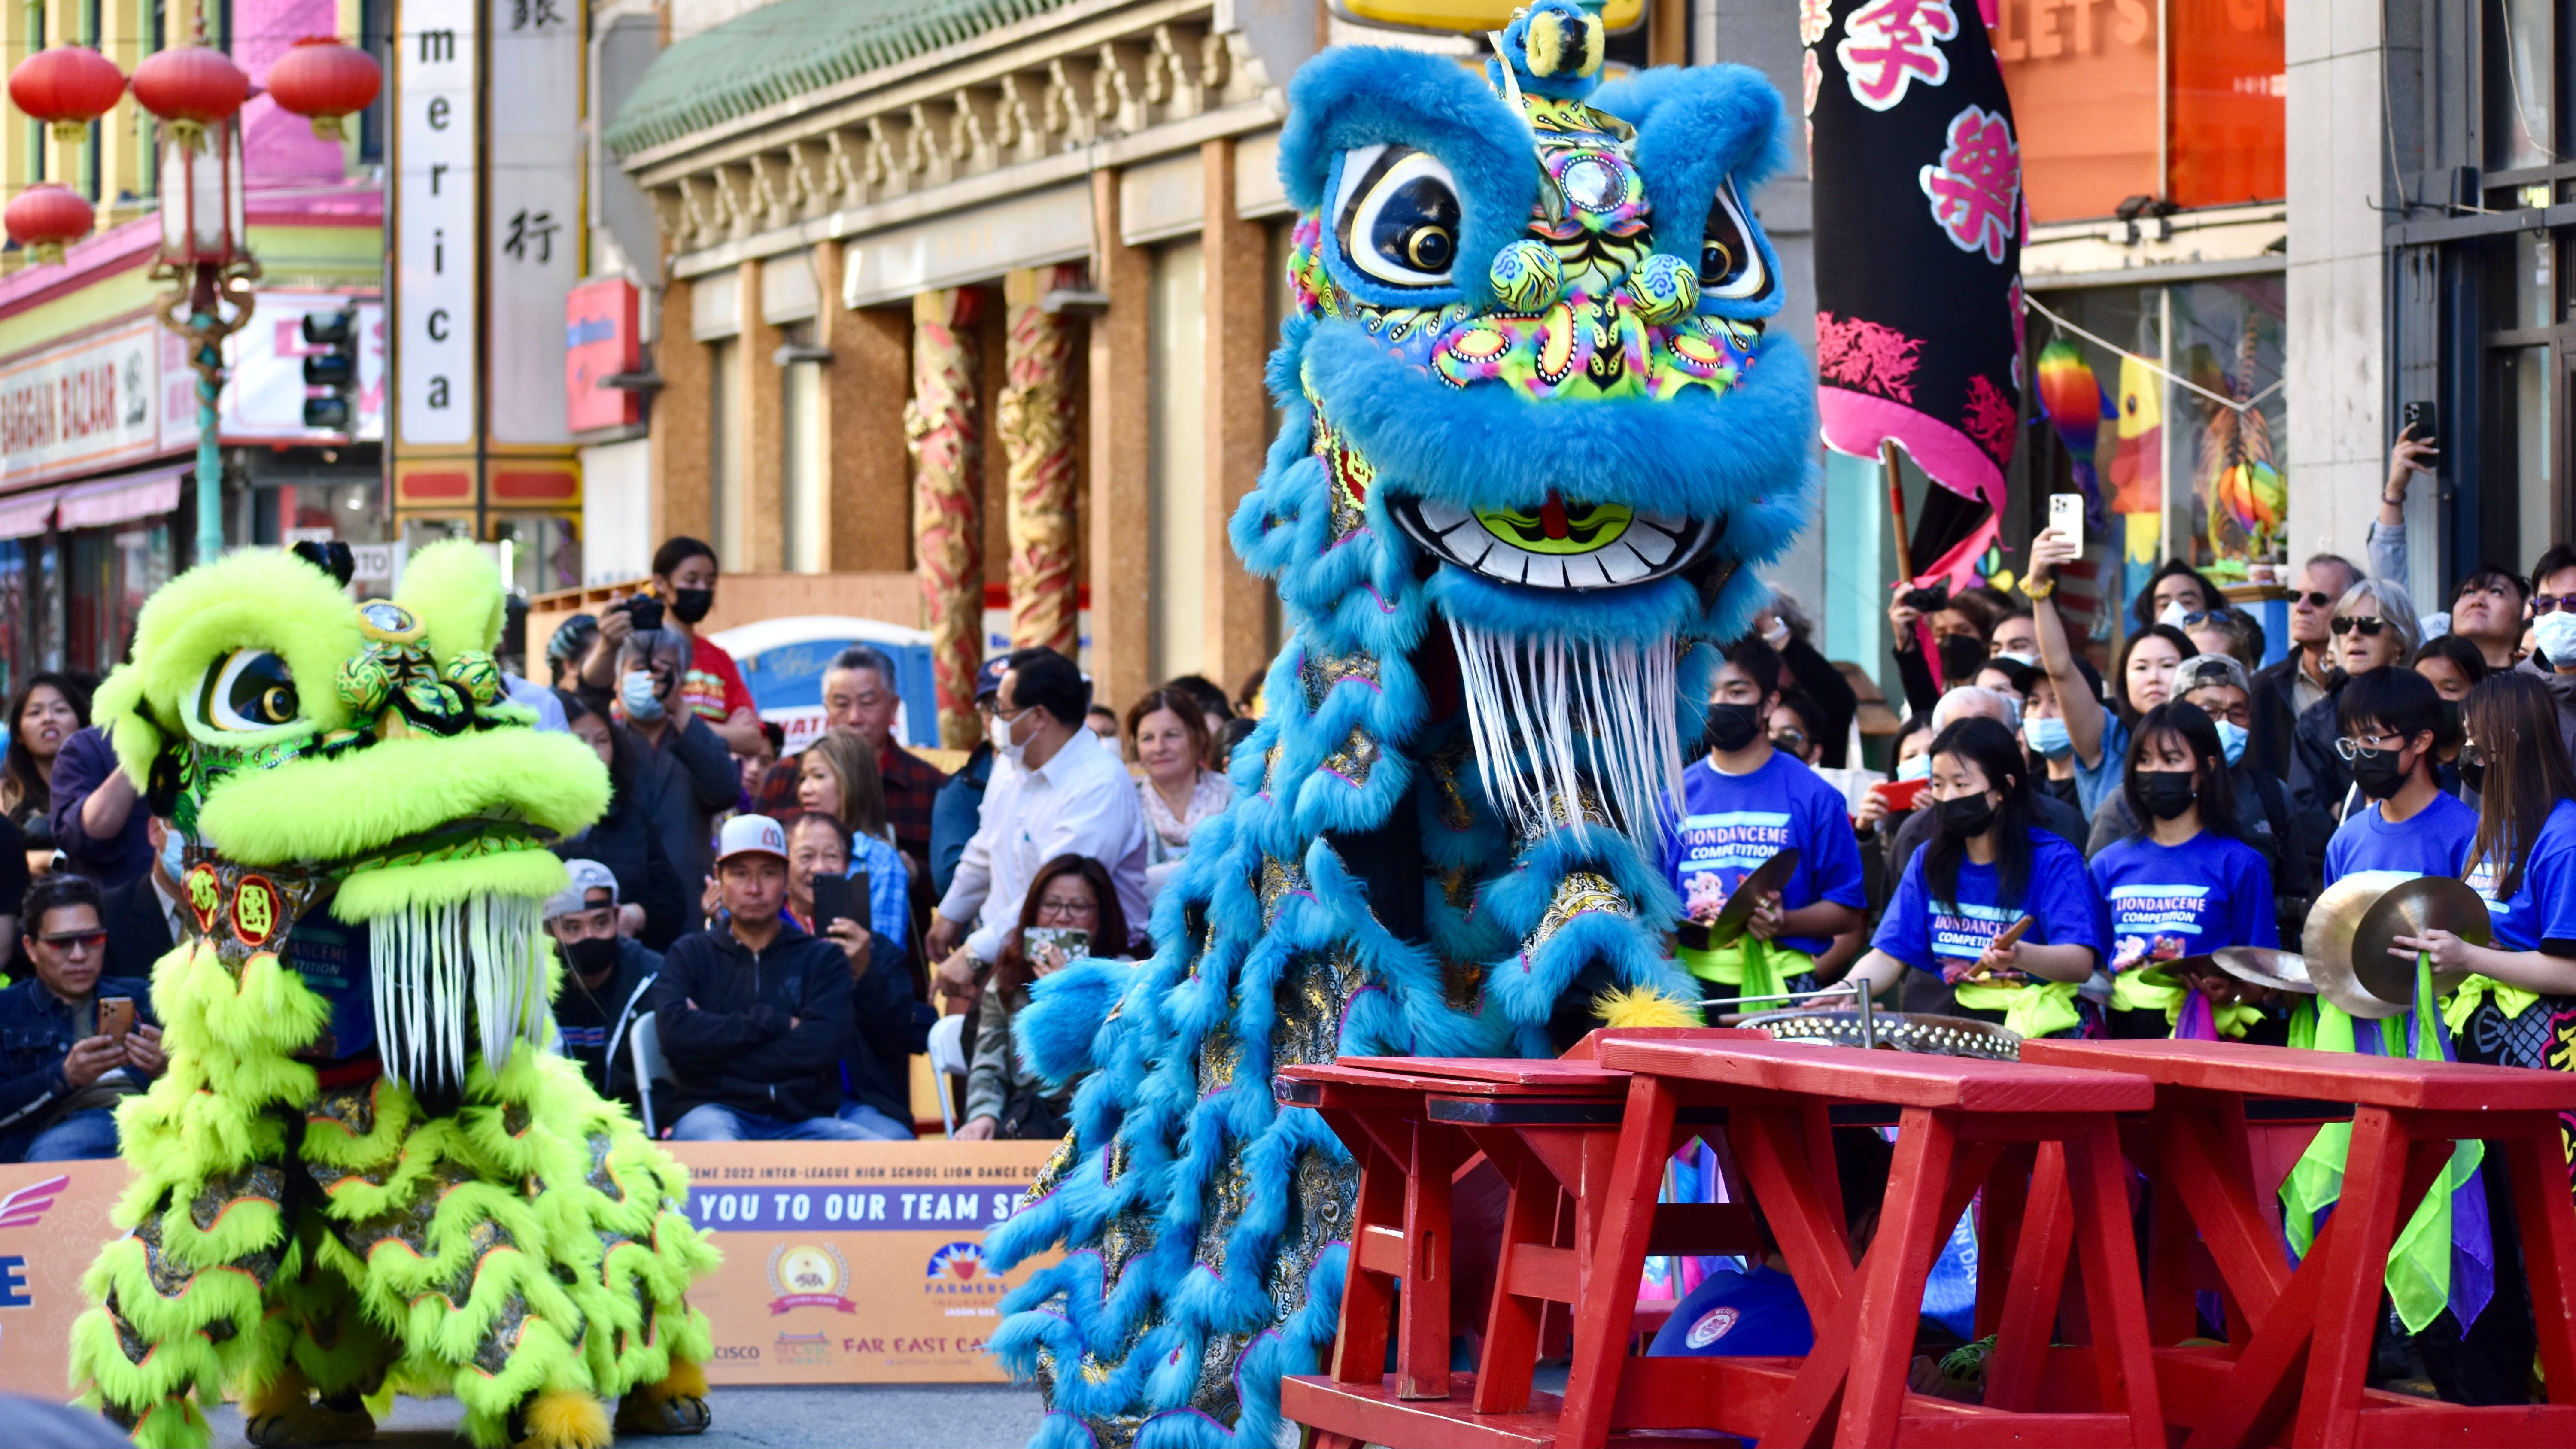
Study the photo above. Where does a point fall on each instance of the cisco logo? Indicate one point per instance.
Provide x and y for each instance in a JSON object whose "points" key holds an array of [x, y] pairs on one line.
{"points": [[737, 1353]]}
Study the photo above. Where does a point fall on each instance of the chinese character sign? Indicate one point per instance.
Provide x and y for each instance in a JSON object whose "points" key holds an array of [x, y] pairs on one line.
{"points": [[1918, 234], [533, 210]]}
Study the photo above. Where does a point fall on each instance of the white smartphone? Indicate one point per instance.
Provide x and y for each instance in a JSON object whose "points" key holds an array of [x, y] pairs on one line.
{"points": [[2066, 515]]}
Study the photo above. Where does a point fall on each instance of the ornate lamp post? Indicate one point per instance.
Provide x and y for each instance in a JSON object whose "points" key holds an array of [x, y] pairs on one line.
{"points": [[205, 240]]}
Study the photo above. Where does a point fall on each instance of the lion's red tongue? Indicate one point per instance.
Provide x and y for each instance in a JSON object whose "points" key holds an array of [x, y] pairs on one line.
{"points": [[1551, 516]]}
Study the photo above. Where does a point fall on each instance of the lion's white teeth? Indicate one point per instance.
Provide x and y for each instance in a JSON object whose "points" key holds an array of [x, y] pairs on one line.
{"points": [[426, 961]]}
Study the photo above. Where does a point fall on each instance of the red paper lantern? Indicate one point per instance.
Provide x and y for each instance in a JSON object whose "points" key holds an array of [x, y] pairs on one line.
{"points": [[189, 86], [45, 217], [320, 78], [69, 85]]}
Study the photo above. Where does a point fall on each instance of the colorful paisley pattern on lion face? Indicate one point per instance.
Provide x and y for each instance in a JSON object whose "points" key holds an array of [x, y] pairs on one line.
{"points": [[1536, 436]]}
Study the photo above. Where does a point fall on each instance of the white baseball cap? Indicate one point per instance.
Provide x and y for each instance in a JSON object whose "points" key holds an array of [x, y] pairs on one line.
{"points": [[750, 835], [587, 876]]}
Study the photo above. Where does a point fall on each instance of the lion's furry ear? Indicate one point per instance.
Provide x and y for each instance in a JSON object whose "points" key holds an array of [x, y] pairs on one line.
{"points": [[455, 589]]}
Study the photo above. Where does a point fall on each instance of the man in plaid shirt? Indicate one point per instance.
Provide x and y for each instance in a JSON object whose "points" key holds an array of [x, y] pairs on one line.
{"points": [[859, 696]]}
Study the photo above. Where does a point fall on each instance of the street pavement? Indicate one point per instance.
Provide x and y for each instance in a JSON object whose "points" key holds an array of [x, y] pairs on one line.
{"points": [[896, 1416]]}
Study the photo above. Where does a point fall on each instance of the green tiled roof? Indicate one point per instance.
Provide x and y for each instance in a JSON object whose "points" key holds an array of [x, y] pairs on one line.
{"points": [[788, 48]]}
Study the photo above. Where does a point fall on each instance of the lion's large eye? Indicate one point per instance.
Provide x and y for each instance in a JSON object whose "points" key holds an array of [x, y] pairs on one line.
{"points": [[1398, 217], [1730, 265], [252, 689]]}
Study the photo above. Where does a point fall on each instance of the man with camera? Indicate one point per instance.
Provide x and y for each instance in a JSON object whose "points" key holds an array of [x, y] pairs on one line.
{"points": [[74, 1042], [682, 590]]}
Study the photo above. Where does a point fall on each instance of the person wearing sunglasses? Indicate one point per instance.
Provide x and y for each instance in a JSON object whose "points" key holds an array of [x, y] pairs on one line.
{"points": [[2284, 691], [2390, 723], [61, 1077], [2373, 627], [2553, 622], [2186, 886]]}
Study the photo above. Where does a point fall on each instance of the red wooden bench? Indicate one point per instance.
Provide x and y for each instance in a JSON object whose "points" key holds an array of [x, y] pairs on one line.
{"points": [[1962, 1124], [2300, 1338], [1551, 1127]]}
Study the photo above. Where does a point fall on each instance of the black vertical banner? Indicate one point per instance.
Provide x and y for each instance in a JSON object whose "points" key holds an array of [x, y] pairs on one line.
{"points": [[1918, 229]]}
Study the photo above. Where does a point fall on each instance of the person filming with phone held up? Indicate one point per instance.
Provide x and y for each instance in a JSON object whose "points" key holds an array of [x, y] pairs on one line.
{"points": [[1071, 912], [73, 1042]]}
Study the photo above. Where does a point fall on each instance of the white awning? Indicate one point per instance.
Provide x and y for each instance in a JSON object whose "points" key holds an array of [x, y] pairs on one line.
{"points": [[124, 498], [24, 515]]}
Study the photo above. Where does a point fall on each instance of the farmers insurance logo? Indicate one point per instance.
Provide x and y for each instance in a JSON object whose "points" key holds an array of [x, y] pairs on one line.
{"points": [[958, 1270], [805, 1276]]}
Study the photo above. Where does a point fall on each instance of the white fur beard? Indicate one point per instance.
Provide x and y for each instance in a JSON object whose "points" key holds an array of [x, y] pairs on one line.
{"points": [[435, 965], [1550, 715]]}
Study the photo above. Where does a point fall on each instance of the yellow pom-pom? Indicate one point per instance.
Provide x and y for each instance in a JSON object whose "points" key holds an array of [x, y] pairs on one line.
{"points": [[1644, 1006], [563, 1419]]}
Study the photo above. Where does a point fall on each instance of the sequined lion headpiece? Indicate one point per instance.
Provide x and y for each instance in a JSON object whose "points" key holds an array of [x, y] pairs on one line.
{"points": [[1529, 322]]}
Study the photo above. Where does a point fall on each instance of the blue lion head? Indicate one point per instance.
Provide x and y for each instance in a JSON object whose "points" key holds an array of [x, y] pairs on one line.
{"points": [[1528, 331]]}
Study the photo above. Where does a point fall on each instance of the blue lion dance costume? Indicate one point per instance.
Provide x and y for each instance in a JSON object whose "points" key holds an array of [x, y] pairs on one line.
{"points": [[1534, 438]]}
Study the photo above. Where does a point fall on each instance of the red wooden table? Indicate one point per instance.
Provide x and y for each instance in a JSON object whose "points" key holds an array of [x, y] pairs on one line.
{"points": [[2305, 1334], [1962, 1124], [1551, 1128]]}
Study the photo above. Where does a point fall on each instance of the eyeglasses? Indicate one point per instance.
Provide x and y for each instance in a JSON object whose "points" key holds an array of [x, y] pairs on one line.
{"points": [[2204, 616], [2351, 748], [75, 943], [1059, 906], [2369, 628], [2314, 600], [1790, 739], [2550, 603]]}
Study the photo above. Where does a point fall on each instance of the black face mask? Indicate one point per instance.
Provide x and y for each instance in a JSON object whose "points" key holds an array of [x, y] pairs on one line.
{"points": [[2473, 773], [1961, 657], [2165, 793], [1968, 815], [1733, 726], [2376, 772], [691, 605], [593, 956]]}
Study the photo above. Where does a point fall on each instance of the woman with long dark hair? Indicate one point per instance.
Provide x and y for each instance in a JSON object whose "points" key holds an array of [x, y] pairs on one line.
{"points": [[837, 776], [1985, 868], [2187, 885], [43, 716], [1070, 893], [2523, 861]]}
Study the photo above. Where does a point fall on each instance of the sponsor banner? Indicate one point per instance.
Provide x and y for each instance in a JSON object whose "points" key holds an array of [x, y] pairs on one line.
{"points": [[844, 1262], [82, 408]]}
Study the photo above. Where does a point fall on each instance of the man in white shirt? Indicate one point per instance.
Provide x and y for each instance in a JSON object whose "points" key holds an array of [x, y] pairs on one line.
{"points": [[1067, 794]]}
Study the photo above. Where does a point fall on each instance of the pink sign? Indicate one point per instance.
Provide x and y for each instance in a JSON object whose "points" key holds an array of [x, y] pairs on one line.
{"points": [[599, 342], [278, 145]]}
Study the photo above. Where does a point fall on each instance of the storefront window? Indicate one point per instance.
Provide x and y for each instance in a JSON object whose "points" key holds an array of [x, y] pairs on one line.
{"points": [[540, 553], [113, 570], [2521, 70]]}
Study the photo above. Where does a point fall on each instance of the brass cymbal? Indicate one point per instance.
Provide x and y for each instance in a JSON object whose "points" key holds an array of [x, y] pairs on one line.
{"points": [[2326, 942], [1761, 881], [2425, 903], [2262, 966]]}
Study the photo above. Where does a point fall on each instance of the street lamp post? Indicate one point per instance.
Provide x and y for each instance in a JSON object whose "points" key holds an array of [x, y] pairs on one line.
{"points": [[205, 240]]}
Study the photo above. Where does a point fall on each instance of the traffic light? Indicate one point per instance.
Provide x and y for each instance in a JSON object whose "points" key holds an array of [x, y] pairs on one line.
{"points": [[336, 369]]}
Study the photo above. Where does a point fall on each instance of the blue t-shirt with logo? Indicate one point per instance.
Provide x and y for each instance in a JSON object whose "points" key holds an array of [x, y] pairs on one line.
{"points": [[2170, 901], [1949, 936], [2542, 908], [2432, 841], [1738, 1315], [1731, 823]]}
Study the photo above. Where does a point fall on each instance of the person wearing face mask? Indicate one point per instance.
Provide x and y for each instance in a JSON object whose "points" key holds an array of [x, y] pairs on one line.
{"points": [[2455, 666], [142, 915], [1063, 793], [2186, 887], [711, 687], [607, 979], [1984, 869], [650, 666], [2553, 634], [2293, 848], [2390, 720], [2016, 638], [1960, 632], [2374, 627], [1742, 803]]}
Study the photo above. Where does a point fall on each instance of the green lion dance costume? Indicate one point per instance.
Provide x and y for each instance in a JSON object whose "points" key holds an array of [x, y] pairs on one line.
{"points": [[1534, 433], [366, 820]]}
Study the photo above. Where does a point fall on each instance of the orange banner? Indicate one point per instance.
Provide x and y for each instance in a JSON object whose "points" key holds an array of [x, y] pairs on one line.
{"points": [[844, 1263]]}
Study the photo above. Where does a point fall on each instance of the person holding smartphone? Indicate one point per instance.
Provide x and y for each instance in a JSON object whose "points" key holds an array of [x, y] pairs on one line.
{"points": [[1071, 912], [74, 1042], [1999, 908]]}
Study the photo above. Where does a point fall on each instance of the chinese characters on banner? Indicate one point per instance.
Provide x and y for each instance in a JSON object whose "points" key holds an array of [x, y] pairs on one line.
{"points": [[436, 115], [1919, 224], [533, 214]]}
